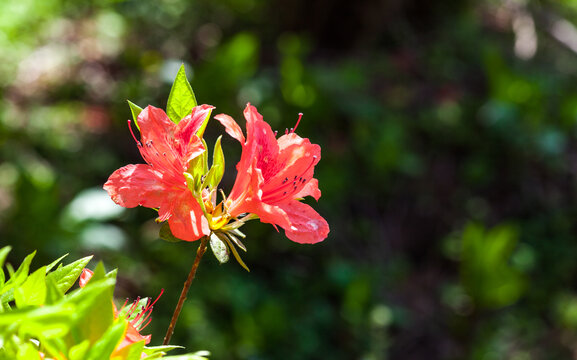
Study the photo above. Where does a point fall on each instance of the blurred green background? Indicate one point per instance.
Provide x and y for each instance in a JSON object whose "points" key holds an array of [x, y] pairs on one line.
{"points": [[449, 167]]}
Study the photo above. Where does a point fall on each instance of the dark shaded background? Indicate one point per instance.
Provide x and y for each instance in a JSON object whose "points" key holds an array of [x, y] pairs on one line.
{"points": [[448, 174]]}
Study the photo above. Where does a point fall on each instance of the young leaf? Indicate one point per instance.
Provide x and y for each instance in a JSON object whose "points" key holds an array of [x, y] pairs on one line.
{"points": [[78, 352], [181, 99], [216, 172], [55, 262], [153, 350], [135, 110], [3, 254], [66, 276], [94, 308], [17, 278], [53, 293], [199, 355], [33, 290], [219, 248], [106, 343], [198, 168], [130, 352]]}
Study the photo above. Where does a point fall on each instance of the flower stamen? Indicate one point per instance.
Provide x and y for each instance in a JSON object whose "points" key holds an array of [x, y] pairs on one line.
{"points": [[132, 132], [297, 124]]}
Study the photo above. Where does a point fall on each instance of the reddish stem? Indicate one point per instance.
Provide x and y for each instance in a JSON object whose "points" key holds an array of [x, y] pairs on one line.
{"points": [[201, 250]]}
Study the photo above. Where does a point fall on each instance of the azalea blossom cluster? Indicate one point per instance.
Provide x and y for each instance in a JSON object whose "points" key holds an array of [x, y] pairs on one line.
{"points": [[273, 176]]}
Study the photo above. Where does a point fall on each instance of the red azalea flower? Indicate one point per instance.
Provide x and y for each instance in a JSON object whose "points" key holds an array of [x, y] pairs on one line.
{"points": [[167, 148], [273, 174]]}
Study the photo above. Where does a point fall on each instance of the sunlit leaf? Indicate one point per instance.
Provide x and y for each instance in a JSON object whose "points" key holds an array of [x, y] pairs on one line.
{"points": [[135, 110], [105, 344], [33, 290], [66, 276], [181, 99]]}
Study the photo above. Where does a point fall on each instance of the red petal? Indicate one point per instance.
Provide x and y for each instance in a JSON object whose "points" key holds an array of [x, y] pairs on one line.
{"points": [[158, 142], [187, 221], [139, 184], [231, 127], [85, 277], [311, 188], [306, 225], [187, 128]]}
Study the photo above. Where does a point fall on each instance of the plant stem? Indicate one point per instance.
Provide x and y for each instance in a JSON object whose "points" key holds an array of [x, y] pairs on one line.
{"points": [[187, 283]]}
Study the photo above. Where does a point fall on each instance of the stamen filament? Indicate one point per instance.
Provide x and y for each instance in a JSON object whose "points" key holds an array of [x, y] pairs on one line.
{"points": [[132, 132], [297, 124]]}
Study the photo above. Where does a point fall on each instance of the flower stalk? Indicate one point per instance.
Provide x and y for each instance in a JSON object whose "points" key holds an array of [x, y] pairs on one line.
{"points": [[199, 253]]}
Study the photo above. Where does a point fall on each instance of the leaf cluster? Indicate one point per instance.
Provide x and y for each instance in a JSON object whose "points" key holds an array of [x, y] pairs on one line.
{"points": [[42, 318]]}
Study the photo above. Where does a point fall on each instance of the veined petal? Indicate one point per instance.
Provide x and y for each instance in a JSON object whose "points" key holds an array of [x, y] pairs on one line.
{"points": [[311, 188], [231, 127], [158, 142], [306, 225], [187, 221], [134, 185], [189, 125]]}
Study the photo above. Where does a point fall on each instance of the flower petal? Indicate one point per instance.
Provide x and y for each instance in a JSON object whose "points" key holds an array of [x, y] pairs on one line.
{"points": [[187, 128], [231, 127], [311, 188], [187, 221], [134, 185], [306, 225], [158, 142]]}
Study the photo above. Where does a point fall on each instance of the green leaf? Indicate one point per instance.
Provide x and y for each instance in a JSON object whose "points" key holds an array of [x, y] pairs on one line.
{"points": [[199, 355], [94, 308], [106, 344], [33, 290], [216, 172], [198, 168], [3, 254], [219, 248], [55, 262], [181, 99], [135, 110], [66, 276], [17, 278], [166, 234], [78, 352], [27, 351], [133, 351], [163, 349], [53, 293]]}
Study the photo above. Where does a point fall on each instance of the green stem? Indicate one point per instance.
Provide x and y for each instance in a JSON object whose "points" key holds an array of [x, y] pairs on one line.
{"points": [[201, 250]]}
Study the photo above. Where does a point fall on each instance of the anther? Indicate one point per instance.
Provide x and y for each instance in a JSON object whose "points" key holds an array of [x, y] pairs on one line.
{"points": [[286, 131], [131, 132], [275, 132]]}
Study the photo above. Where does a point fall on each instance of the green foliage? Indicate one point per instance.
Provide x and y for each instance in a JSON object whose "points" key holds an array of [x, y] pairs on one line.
{"points": [[41, 319], [214, 175], [181, 99], [486, 272], [135, 110]]}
